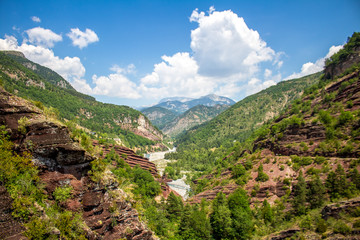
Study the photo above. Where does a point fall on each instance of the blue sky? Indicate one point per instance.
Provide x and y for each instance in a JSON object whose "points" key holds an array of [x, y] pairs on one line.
{"points": [[137, 52]]}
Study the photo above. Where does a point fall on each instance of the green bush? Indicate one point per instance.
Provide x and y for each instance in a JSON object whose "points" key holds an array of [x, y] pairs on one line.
{"points": [[321, 225], [62, 193], [342, 228], [345, 117]]}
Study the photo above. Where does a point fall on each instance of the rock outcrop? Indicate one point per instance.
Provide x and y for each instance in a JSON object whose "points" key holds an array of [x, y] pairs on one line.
{"points": [[130, 157], [334, 210], [49, 142], [105, 208]]}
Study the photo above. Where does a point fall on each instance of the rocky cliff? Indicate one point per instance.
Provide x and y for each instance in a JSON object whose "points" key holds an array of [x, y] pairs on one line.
{"points": [[62, 162]]}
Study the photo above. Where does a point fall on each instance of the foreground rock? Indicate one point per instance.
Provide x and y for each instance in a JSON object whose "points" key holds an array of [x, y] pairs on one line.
{"points": [[105, 208]]}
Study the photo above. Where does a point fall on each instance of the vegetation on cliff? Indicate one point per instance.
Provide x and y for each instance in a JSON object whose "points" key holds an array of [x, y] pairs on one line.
{"points": [[42, 85]]}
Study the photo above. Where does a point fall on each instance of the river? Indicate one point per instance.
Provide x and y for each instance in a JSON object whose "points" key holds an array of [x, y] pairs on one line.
{"points": [[179, 185]]}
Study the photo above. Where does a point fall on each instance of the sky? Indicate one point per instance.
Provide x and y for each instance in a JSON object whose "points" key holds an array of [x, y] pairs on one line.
{"points": [[137, 52]]}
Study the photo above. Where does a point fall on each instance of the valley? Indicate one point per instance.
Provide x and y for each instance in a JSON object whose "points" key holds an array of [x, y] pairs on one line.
{"points": [[282, 163]]}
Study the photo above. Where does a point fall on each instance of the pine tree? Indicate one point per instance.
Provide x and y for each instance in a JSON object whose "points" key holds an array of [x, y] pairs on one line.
{"points": [[174, 206], [267, 212], [299, 201], [337, 184], [316, 193], [220, 218], [241, 216]]}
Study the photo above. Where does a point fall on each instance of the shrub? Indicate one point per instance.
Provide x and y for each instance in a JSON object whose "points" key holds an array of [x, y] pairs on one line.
{"points": [[321, 225], [36, 229], [342, 228], [325, 117], [345, 117], [356, 224], [62, 193], [22, 123], [319, 159]]}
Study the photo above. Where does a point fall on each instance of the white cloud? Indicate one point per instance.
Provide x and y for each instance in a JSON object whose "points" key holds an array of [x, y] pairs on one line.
{"points": [[223, 45], [82, 39], [176, 76], [256, 85], [225, 53], [310, 68], [267, 73], [35, 19], [128, 70], [115, 85], [43, 37], [70, 68]]}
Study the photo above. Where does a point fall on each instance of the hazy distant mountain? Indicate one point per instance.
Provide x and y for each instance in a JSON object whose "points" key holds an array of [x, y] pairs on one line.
{"points": [[180, 99], [181, 104], [175, 114], [192, 117]]}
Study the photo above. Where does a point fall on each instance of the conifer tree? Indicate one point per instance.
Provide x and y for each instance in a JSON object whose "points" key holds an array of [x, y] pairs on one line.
{"points": [[316, 193], [299, 201], [220, 218]]}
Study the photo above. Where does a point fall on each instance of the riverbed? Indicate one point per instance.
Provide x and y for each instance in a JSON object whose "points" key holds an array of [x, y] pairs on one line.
{"points": [[158, 158], [179, 185]]}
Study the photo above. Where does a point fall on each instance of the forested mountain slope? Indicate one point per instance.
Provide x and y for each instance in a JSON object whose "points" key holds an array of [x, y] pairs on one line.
{"points": [[47, 87], [301, 170], [159, 116], [200, 147], [192, 117]]}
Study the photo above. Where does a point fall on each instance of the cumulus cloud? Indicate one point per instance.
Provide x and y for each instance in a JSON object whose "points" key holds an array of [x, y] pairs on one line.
{"points": [[115, 85], [35, 19], [176, 76], [310, 67], [224, 45], [256, 85], [70, 68], [128, 70], [82, 39], [225, 53], [43, 37]]}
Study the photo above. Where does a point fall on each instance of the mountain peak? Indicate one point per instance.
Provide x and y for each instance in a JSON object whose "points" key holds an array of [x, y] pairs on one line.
{"points": [[14, 53]]}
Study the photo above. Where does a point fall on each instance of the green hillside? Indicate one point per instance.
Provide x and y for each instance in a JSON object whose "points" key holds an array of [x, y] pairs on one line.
{"points": [[159, 116], [200, 147], [192, 117], [116, 121]]}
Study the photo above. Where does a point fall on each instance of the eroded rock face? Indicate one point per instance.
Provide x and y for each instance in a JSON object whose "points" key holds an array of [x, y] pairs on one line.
{"points": [[49, 142], [62, 162], [334, 210], [130, 157], [335, 70]]}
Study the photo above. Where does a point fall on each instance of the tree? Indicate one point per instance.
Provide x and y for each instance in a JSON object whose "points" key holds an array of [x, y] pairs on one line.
{"points": [[267, 212], [299, 201], [241, 216], [220, 218], [174, 206], [262, 177], [194, 224], [337, 184], [316, 193]]}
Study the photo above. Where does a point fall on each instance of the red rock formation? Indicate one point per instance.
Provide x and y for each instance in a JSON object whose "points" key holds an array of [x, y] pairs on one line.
{"points": [[211, 194], [130, 157], [106, 212]]}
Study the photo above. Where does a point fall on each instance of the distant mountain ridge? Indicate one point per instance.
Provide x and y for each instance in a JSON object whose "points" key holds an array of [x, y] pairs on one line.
{"points": [[182, 104], [192, 117], [174, 115]]}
